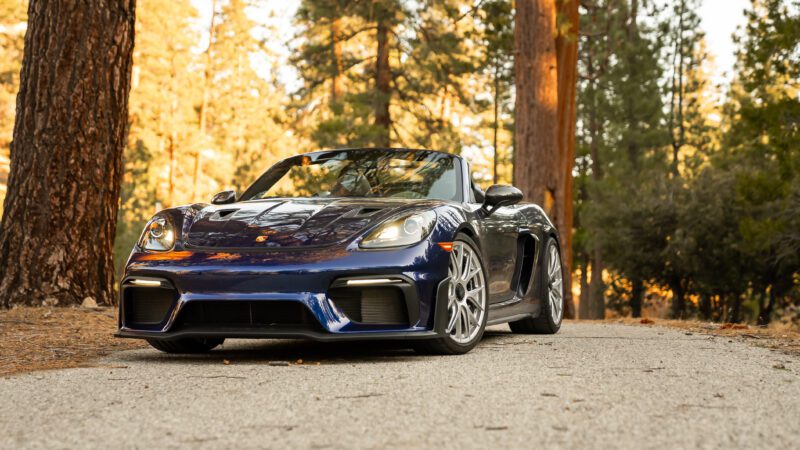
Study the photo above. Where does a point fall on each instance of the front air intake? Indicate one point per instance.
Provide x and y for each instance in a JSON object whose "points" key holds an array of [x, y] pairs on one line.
{"points": [[372, 305], [147, 306], [231, 314]]}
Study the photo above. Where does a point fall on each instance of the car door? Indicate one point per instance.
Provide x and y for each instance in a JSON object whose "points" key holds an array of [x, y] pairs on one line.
{"points": [[499, 232]]}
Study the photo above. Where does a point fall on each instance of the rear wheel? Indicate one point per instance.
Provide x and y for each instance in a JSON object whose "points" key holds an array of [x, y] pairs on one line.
{"points": [[466, 301], [187, 345], [549, 320]]}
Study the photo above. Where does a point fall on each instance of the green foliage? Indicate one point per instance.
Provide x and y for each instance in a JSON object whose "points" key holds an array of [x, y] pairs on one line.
{"points": [[434, 70], [668, 197]]}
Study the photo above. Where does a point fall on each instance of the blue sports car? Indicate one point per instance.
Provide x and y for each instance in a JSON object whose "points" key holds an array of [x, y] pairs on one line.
{"points": [[346, 244]]}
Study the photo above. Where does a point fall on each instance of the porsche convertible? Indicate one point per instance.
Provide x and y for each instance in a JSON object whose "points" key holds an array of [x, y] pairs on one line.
{"points": [[346, 245]]}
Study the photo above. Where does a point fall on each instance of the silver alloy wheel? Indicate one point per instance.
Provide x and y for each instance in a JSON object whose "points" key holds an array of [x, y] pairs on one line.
{"points": [[466, 294], [555, 284]]}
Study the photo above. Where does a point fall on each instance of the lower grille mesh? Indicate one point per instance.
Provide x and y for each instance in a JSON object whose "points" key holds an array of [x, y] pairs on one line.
{"points": [[243, 314], [147, 306], [372, 305]]}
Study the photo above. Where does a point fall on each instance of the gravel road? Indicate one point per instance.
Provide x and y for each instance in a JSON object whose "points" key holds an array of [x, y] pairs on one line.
{"points": [[590, 386]]}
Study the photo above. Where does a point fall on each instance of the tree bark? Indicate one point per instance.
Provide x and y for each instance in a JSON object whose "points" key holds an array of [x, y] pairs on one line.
{"points": [[56, 238], [538, 165], [383, 80], [567, 64]]}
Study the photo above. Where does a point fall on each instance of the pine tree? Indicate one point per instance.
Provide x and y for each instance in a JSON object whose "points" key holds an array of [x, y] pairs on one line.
{"points": [[623, 134], [760, 148], [398, 72], [164, 93], [498, 64]]}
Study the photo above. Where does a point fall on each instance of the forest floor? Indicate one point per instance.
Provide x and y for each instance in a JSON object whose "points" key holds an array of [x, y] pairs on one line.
{"points": [[57, 338]]}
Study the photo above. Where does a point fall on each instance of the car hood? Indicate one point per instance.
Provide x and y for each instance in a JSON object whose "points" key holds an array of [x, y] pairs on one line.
{"points": [[290, 223]]}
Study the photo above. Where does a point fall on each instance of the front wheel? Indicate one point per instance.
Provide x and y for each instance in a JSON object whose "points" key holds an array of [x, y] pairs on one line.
{"points": [[466, 301], [552, 313]]}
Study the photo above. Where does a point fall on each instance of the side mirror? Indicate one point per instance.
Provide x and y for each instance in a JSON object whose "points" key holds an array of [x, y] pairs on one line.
{"points": [[224, 198], [501, 195]]}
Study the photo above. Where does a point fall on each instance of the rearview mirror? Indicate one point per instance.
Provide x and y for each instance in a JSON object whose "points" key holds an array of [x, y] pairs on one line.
{"points": [[501, 195], [224, 198]]}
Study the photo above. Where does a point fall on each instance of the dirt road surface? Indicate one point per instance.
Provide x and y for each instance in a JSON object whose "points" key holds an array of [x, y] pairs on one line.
{"points": [[590, 386]]}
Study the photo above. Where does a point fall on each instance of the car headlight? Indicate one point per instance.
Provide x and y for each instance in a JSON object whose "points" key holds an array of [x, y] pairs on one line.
{"points": [[404, 230], [159, 235]]}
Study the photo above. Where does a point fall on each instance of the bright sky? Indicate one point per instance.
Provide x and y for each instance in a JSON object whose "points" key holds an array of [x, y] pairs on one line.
{"points": [[720, 19]]}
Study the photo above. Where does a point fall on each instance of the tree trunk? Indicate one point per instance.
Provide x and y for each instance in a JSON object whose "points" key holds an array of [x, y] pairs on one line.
{"points": [[539, 164], [705, 306], [584, 311], [56, 238], [594, 69], [736, 309], [678, 300], [637, 292], [383, 83], [765, 311], [567, 63], [597, 288]]}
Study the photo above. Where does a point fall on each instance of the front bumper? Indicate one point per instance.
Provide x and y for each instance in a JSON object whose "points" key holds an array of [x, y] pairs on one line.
{"points": [[251, 283]]}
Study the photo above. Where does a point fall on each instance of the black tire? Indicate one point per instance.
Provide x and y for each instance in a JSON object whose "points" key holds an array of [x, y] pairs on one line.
{"points": [[187, 345], [544, 323], [446, 345]]}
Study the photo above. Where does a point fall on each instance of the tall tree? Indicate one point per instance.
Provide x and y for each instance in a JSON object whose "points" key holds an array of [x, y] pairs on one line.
{"points": [[541, 147], [162, 117], [760, 149], [245, 105], [623, 136], [163, 94], [592, 113], [397, 71], [538, 165], [498, 39], [66, 155], [567, 64]]}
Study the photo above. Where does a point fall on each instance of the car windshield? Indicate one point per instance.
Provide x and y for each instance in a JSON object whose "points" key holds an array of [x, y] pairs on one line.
{"points": [[361, 173]]}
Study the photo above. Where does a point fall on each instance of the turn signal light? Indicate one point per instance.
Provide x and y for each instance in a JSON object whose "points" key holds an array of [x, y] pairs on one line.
{"points": [[447, 246]]}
